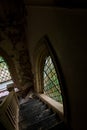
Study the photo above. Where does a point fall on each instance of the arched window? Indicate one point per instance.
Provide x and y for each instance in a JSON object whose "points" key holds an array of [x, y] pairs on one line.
{"points": [[4, 72], [5, 77], [51, 82]]}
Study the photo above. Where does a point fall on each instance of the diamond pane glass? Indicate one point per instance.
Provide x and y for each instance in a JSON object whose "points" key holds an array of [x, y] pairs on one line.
{"points": [[51, 82], [1, 59], [4, 72]]}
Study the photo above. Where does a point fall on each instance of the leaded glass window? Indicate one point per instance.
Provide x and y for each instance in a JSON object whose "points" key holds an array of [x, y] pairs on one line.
{"points": [[51, 82], [4, 72]]}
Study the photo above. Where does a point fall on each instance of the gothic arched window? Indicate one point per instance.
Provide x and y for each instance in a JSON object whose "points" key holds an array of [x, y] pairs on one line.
{"points": [[51, 82], [4, 71]]}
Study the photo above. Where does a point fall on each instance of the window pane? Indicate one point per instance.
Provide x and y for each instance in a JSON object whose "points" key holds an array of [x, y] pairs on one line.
{"points": [[1, 59], [51, 83], [4, 72]]}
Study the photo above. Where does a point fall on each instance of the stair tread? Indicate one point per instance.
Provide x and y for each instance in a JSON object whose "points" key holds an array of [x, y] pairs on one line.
{"points": [[34, 114], [44, 123]]}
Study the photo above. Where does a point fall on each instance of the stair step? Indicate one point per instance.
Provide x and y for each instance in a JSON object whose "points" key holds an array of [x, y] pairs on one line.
{"points": [[27, 113], [44, 124], [45, 113], [35, 115], [60, 126], [37, 111], [31, 102]]}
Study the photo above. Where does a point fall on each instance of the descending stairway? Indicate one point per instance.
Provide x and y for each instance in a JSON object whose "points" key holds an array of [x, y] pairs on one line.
{"points": [[35, 115]]}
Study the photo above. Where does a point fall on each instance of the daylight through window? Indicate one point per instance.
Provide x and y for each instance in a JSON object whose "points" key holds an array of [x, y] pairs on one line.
{"points": [[51, 82], [4, 72]]}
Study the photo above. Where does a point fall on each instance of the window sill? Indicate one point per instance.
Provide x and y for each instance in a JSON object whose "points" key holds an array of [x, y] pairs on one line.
{"points": [[56, 106]]}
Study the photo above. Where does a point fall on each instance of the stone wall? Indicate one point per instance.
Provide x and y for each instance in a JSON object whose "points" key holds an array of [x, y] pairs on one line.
{"points": [[13, 41]]}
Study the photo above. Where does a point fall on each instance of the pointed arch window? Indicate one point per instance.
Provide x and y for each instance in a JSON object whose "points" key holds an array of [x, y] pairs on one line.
{"points": [[4, 71], [51, 82]]}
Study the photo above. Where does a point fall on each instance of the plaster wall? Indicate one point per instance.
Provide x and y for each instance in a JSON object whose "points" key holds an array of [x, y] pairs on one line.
{"points": [[67, 32]]}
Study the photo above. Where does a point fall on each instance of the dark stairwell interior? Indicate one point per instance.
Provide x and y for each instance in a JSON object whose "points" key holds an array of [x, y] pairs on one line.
{"points": [[23, 25], [34, 114]]}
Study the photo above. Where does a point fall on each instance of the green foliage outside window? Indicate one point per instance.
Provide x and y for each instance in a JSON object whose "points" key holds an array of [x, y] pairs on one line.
{"points": [[1, 59], [4, 72], [51, 82]]}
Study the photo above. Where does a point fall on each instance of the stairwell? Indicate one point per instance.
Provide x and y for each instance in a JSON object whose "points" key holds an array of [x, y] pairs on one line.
{"points": [[36, 115]]}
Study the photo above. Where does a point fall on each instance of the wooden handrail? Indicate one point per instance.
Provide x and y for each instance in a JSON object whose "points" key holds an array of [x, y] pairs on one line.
{"points": [[9, 112]]}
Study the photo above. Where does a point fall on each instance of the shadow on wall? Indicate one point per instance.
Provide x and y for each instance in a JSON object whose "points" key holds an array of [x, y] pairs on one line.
{"points": [[45, 49]]}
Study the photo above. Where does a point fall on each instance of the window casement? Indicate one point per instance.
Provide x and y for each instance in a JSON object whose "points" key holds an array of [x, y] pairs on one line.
{"points": [[51, 82], [4, 71]]}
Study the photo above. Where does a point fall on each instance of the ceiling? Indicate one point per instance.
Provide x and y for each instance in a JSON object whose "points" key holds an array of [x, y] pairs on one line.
{"points": [[60, 3], [12, 20], [13, 12]]}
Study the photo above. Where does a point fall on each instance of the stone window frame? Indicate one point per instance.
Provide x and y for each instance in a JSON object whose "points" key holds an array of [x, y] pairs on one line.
{"points": [[44, 49]]}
